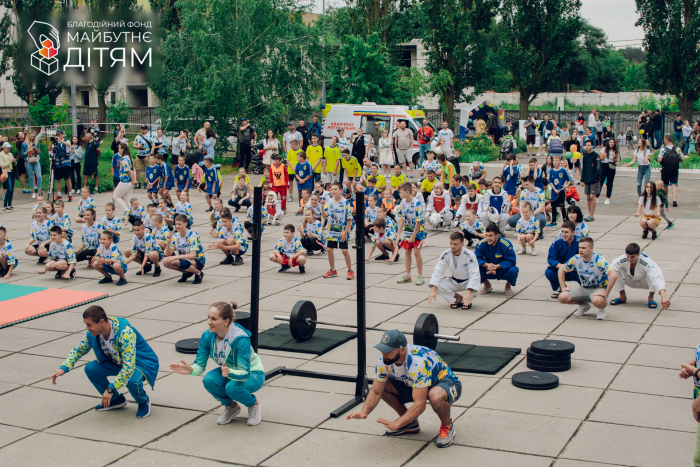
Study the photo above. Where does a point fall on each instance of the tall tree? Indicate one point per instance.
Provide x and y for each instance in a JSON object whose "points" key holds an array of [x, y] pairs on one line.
{"points": [[251, 58], [671, 38], [455, 37], [535, 38]]}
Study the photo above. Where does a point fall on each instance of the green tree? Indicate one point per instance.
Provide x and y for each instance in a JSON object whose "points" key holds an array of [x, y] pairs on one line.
{"points": [[536, 37], [671, 38], [253, 58], [360, 71], [635, 77], [118, 112], [455, 36]]}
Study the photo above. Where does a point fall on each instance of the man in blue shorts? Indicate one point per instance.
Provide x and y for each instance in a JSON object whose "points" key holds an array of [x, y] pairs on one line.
{"points": [[411, 373]]}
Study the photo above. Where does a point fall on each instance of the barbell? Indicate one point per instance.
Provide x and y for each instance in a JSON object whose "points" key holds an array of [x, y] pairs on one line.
{"points": [[302, 325]]}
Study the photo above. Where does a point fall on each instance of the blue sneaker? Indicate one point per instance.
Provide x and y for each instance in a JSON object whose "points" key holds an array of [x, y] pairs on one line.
{"points": [[670, 226], [144, 409], [551, 224], [118, 402]]}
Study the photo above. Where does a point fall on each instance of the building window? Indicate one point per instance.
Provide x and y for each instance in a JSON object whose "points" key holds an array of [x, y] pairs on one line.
{"points": [[140, 97], [86, 97], [404, 57], [113, 97]]}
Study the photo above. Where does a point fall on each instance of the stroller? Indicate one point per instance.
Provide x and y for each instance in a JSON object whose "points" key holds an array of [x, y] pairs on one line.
{"points": [[256, 158]]}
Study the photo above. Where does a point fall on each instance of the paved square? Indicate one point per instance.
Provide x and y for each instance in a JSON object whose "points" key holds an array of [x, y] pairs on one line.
{"points": [[621, 403]]}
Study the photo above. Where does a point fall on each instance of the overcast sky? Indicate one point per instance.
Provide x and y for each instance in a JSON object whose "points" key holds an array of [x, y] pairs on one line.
{"points": [[615, 17]]}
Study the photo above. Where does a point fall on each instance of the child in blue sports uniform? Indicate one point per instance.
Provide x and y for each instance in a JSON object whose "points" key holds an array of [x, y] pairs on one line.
{"points": [[211, 182], [8, 260], [303, 172], [167, 180], [184, 208], [231, 240], [289, 252], [109, 260], [111, 223], [136, 211], [182, 176], [62, 220], [184, 252], [153, 177], [145, 250], [39, 235]]}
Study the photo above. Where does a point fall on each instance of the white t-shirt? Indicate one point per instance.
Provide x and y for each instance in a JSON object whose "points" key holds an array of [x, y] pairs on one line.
{"points": [[646, 209], [640, 155], [289, 137], [107, 346], [448, 135]]}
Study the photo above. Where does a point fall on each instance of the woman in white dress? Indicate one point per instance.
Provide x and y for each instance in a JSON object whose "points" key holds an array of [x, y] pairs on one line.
{"points": [[386, 158]]}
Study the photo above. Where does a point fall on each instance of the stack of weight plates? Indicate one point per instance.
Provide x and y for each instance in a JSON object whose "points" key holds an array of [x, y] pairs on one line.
{"points": [[550, 356], [535, 380]]}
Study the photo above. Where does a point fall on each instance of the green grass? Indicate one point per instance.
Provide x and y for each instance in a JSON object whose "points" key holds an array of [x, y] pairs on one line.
{"points": [[568, 105], [691, 163]]}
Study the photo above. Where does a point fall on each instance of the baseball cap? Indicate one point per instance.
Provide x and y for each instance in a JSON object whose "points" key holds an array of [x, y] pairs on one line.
{"points": [[529, 115], [6, 145], [243, 119], [346, 191], [60, 132], [391, 340], [144, 127]]}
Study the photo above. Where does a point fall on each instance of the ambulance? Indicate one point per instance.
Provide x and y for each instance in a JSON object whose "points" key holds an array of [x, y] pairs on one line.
{"points": [[365, 115]]}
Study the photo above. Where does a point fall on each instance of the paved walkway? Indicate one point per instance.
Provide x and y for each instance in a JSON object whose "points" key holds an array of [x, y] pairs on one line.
{"points": [[621, 403]]}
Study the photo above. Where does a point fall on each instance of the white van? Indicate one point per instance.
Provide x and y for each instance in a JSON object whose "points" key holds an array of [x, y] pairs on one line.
{"points": [[365, 115]]}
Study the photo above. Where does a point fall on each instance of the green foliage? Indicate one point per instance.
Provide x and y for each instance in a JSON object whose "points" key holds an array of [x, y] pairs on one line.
{"points": [[671, 38], [118, 112], [536, 38], [479, 148], [521, 146], [635, 77], [252, 58], [361, 71], [43, 112]]}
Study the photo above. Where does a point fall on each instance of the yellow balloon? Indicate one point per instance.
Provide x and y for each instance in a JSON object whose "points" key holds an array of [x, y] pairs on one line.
{"points": [[577, 155], [500, 117], [641, 132], [490, 104]]}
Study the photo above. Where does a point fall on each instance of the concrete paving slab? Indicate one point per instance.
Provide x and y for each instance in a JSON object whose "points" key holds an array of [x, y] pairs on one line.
{"points": [[447, 317], [535, 293], [125, 306], [110, 288], [589, 327], [502, 431], [176, 311], [348, 308], [27, 369], [10, 434], [406, 296], [457, 456], [499, 339], [598, 350], [626, 445], [7, 387], [60, 347], [671, 336], [148, 458], [661, 356], [284, 303], [204, 438], [473, 387], [582, 373], [517, 306], [684, 304], [657, 381], [573, 463], [318, 446], [564, 401], [517, 323], [622, 408], [678, 319], [15, 338], [152, 329], [47, 408], [63, 322], [73, 382], [117, 426], [32, 451]]}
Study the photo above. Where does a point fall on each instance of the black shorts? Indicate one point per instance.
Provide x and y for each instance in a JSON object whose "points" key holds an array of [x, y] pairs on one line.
{"points": [[530, 139], [62, 173], [493, 131], [574, 163], [85, 255], [337, 245], [452, 388], [20, 169], [89, 170], [669, 178], [115, 181]]}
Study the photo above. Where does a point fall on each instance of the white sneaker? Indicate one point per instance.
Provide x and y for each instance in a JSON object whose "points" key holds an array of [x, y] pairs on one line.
{"points": [[290, 198], [509, 228], [597, 201], [582, 309], [228, 413], [601, 314], [254, 415], [534, 251], [607, 201], [33, 195], [446, 229], [521, 251]]}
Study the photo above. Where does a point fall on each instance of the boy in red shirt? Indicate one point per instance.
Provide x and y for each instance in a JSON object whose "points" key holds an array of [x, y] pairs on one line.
{"points": [[279, 179]]}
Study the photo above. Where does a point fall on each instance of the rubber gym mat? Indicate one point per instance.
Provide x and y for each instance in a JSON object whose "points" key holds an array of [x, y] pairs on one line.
{"points": [[10, 291], [324, 340], [484, 360], [42, 302], [450, 352]]}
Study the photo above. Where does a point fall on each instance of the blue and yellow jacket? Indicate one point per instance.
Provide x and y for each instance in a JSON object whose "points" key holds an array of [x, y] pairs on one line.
{"points": [[502, 253], [241, 359], [133, 352]]}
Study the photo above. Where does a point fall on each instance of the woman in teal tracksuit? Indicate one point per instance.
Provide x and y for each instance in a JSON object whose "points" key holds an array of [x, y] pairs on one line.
{"points": [[240, 372]]}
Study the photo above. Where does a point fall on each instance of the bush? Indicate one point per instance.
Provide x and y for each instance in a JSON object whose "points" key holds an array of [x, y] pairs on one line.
{"points": [[479, 148], [522, 147]]}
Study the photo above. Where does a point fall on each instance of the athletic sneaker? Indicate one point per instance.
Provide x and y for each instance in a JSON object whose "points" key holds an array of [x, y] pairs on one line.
{"points": [[144, 409], [254, 415], [653, 235], [601, 314], [588, 219], [290, 198], [597, 201], [446, 229], [420, 281], [227, 414], [302, 270], [607, 201], [237, 260], [351, 275], [584, 307], [228, 259], [122, 281], [446, 436], [409, 428], [118, 402], [330, 273], [198, 278], [185, 276], [675, 204], [105, 280], [209, 210], [670, 226], [95, 192], [551, 224], [381, 258], [534, 251], [521, 251], [398, 257], [404, 279], [33, 195], [284, 268], [70, 198], [25, 191], [156, 273], [509, 228]]}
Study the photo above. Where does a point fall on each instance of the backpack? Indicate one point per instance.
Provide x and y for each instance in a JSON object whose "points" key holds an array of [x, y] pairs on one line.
{"points": [[556, 147], [671, 160], [507, 146]]}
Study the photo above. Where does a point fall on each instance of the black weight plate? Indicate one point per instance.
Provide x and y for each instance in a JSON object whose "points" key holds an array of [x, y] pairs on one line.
{"points": [[299, 327], [242, 318], [426, 326], [187, 346], [535, 380], [548, 363], [553, 347], [533, 353], [548, 368]]}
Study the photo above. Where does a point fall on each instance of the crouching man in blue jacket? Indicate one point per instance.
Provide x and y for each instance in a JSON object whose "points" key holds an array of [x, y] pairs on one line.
{"points": [[240, 373], [119, 351], [562, 250], [496, 261]]}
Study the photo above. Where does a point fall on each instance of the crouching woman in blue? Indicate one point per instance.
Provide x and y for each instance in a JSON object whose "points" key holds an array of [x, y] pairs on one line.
{"points": [[240, 373], [496, 261], [562, 250]]}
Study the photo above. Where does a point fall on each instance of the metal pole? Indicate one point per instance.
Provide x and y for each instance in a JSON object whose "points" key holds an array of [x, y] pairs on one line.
{"points": [[360, 384], [323, 56], [255, 274], [73, 110]]}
